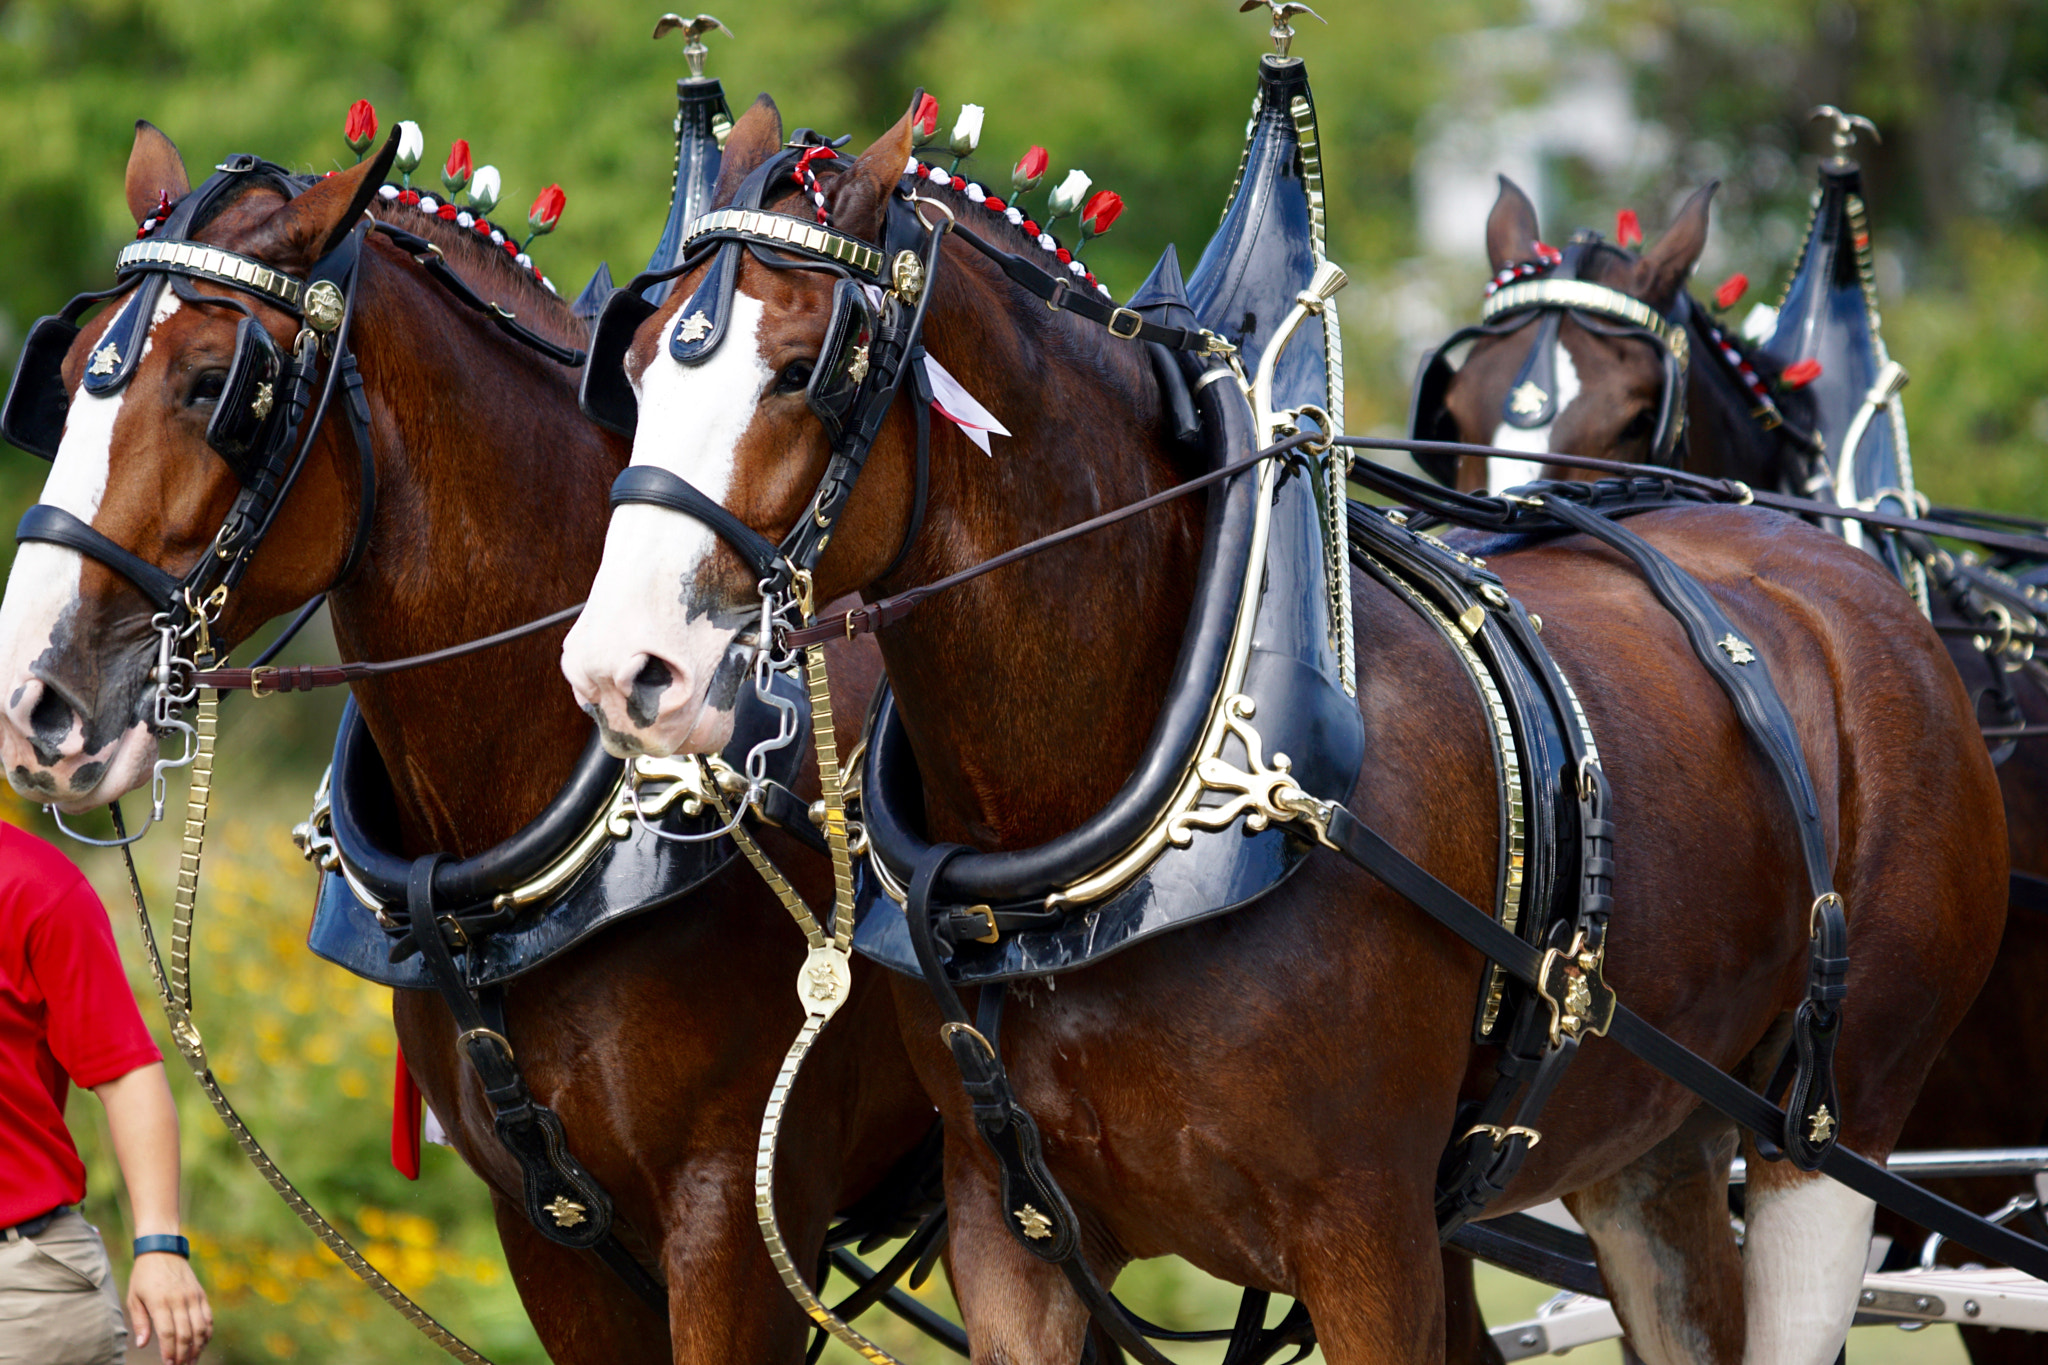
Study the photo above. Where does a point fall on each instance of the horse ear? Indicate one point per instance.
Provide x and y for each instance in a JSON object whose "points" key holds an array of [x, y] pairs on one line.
{"points": [[1511, 232], [860, 200], [1665, 267], [154, 170], [755, 138], [313, 224]]}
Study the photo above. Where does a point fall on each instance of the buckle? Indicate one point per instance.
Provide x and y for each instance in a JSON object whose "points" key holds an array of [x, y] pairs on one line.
{"points": [[258, 677], [1137, 324], [1500, 1135], [988, 917], [1060, 289]]}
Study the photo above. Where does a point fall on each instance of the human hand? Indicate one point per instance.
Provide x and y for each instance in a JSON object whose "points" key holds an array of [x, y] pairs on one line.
{"points": [[164, 1295]]}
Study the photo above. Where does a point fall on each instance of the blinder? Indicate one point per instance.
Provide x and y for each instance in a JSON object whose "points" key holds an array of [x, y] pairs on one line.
{"points": [[843, 362], [37, 401], [606, 396], [249, 409]]}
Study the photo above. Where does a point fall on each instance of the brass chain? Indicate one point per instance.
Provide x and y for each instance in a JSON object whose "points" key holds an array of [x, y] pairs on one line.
{"points": [[175, 989], [823, 986]]}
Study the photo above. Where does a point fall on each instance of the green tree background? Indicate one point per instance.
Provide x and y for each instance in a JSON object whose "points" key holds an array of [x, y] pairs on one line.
{"points": [[1150, 98]]}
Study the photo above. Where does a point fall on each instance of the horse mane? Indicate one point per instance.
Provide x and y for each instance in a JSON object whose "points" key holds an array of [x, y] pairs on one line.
{"points": [[474, 257]]}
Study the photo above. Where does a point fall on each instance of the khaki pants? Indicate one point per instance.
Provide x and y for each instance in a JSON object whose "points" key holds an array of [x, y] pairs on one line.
{"points": [[58, 1303]]}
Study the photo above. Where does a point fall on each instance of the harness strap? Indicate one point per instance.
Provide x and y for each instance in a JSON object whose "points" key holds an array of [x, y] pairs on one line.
{"points": [[1060, 293], [430, 259], [47, 522], [563, 1201], [1351, 837]]}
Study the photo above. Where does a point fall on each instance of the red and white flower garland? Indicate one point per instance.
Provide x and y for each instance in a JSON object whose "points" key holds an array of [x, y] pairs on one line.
{"points": [[975, 194]]}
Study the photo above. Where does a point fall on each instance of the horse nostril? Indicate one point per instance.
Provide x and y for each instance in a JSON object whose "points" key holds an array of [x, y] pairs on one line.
{"points": [[643, 703], [50, 720]]}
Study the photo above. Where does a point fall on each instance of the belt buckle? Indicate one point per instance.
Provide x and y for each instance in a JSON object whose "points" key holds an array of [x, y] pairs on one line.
{"points": [[1137, 324]]}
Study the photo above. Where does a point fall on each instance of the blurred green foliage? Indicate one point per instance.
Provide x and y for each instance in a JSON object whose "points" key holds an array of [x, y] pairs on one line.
{"points": [[1150, 98]]}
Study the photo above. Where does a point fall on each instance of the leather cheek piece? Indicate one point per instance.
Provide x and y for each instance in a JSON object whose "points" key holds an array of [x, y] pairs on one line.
{"points": [[844, 360], [252, 399], [37, 401], [606, 396]]}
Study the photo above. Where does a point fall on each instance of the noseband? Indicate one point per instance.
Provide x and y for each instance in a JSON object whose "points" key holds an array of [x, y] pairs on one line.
{"points": [[1544, 295]]}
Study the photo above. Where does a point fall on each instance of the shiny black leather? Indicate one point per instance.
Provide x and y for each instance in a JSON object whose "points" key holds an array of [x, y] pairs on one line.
{"points": [[251, 400], [1828, 316], [699, 104], [628, 877], [1261, 257]]}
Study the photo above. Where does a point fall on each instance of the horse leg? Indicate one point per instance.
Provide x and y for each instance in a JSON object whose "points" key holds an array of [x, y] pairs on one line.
{"points": [[1660, 1231], [1808, 1238], [1366, 1273], [1466, 1340], [1018, 1310], [580, 1310]]}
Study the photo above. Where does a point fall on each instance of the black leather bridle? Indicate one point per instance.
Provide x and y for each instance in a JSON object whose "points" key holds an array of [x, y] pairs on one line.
{"points": [[1543, 299]]}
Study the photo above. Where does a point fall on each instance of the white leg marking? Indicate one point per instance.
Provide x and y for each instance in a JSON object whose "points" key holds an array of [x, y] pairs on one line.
{"points": [[1802, 1266], [643, 604], [1502, 475]]}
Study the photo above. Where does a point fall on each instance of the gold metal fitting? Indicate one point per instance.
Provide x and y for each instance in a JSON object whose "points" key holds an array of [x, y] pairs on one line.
{"points": [[947, 1032], [1501, 1135], [1813, 914], [259, 676]]}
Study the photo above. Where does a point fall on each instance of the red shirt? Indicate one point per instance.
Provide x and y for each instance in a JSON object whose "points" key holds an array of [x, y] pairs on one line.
{"points": [[66, 1014]]}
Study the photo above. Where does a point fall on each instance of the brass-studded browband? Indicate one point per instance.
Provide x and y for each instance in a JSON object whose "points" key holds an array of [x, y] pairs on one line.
{"points": [[1586, 297], [211, 263], [782, 230]]}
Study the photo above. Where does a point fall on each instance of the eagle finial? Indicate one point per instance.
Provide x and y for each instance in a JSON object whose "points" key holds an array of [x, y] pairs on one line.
{"points": [[1283, 10], [1845, 126], [694, 51]]}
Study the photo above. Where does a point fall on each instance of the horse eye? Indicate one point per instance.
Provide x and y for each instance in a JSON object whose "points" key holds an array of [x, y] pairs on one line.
{"points": [[207, 387], [1638, 426], [795, 377]]}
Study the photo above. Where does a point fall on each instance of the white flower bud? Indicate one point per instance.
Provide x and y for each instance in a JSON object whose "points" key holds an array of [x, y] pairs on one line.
{"points": [[412, 145], [484, 188], [1071, 191], [967, 130]]}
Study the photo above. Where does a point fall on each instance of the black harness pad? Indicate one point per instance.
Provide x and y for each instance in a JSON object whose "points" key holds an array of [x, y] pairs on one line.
{"points": [[251, 400], [631, 875]]}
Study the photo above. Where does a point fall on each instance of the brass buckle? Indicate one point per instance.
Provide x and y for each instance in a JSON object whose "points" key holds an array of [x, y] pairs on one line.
{"points": [[257, 677], [947, 1033], [1501, 1135], [1060, 289], [994, 935], [1137, 324], [1571, 983], [1813, 914], [492, 1034]]}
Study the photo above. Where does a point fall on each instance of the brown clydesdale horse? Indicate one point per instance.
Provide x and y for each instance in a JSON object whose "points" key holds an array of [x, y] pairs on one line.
{"points": [[656, 1041], [1989, 1086], [1267, 1094]]}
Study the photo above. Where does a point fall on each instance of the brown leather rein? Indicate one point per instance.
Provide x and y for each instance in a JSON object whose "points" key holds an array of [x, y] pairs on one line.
{"points": [[264, 682]]}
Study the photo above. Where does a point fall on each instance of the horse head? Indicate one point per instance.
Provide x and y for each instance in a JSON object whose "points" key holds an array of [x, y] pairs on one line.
{"points": [[152, 458], [723, 376], [1546, 376]]}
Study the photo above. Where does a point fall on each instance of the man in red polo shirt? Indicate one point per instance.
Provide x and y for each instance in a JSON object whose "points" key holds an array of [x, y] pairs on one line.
{"points": [[67, 1016]]}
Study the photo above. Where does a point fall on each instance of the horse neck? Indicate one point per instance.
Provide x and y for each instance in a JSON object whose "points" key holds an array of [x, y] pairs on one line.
{"points": [[1722, 440], [491, 511], [1046, 675]]}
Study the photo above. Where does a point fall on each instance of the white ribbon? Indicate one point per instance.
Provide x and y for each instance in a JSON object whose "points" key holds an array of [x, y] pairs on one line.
{"points": [[958, 406]]}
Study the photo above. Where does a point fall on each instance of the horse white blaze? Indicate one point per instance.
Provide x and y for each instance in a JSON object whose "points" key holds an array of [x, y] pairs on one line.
{"points": [[42, 597], [646, 606], [1502, 475], [1802, 1265]]}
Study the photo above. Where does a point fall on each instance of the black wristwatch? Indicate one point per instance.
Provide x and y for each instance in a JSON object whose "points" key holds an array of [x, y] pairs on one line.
{"points": [[163, 1241]]}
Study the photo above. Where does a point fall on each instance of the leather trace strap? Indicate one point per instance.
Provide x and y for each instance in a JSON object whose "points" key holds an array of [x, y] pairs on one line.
{"points": [[1356, 841], [563, 1201], [1061, 294], [430, 259], [264, 681]]}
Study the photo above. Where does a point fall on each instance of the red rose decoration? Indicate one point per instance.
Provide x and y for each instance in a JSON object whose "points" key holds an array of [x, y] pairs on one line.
{"points": [[1100, 211], [1029, 170], [455, 174], [360, 128], [1732, 288], [1548, 255], [1800, 375], [925, 122], [547, 209], [1628, 229]]}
